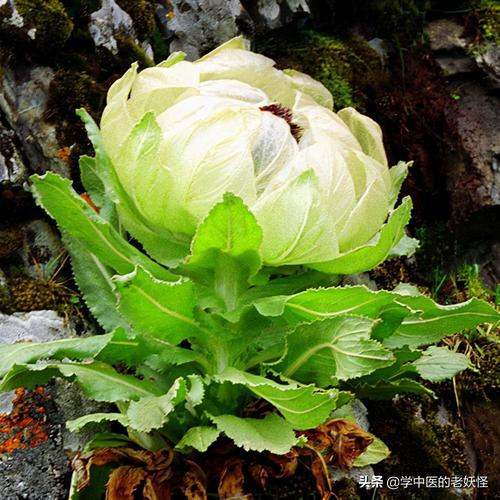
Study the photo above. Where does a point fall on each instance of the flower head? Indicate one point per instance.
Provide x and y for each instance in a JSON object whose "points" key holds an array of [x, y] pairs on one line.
{"points": [[317, 181]]}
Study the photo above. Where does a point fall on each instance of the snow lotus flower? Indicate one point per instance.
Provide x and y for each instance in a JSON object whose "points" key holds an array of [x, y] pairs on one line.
{"points": [[182, 134]]}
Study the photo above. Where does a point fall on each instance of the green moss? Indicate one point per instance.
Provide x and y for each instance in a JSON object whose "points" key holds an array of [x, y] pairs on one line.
{"points": [[486, 356], [70, 90], [424, 441], [142, 13], [487, 13], [346, 489], [51, 21], [12, 240], [129, 51], [348, 68], [78, 8], [159, 45], [5, 300]]}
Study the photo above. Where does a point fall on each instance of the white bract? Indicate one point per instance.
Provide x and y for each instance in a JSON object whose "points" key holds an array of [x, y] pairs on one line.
{"points": [[224, 124]]}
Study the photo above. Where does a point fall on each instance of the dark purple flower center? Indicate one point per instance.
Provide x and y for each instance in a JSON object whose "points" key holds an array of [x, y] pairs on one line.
{"points": [[282, 112]]}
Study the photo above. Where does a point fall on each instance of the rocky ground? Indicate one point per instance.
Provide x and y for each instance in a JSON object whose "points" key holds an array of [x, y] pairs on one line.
{"points": [[429, 72]]}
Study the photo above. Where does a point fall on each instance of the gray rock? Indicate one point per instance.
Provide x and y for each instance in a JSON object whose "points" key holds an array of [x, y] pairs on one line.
{"points": [[273, 14], [71, 404], [200, 25], [452, 47], [43, 472], [6, 399], [446, 35], [23, 100], [12, 17], [109, 21], [456, 65], [357, 474], [40, 473], [34, 326], [381, 47], [473, 176], [270, 11], [13, 172], [359, 279], [106, 22], [360, 413], [488, 59]]}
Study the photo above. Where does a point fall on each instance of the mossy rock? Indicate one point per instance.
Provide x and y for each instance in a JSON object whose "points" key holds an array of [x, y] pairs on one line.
{"points": [[348, 68], [142, 13], [81, 8], [129, 51], [424, 439], [70, 90], [50, 20], [487, 14], [12, 240]]}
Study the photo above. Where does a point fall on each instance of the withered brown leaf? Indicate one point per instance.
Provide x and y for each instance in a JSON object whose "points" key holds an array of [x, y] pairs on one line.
{"points": [[123, 481], [232, 479]]}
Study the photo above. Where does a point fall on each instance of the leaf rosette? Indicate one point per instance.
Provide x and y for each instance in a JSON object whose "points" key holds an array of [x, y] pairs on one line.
{"points": [[250, 196]]}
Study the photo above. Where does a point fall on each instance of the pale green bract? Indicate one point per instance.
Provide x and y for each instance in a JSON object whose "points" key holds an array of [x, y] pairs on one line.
{"points": [[218, 125]]}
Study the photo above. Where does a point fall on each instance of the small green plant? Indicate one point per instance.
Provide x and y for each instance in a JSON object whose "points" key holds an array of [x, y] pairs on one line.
{"points": [[235, 306], [487, 13]]}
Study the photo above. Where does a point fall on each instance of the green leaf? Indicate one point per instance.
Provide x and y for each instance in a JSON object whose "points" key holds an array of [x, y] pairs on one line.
{"points": [[271, 433], [95, 188], [164, 246], [405, 247], [225, 249], [95, 418], [155, 353], [94, 281], [398, 174], [439, 363], [172, 59], [98, 381], [417, 319], [387, 389], [333, 349], [168, 355], [374, 454], [318, 304], [431, 322], [373, 253], [303, 407], [195, 393], [74, 215], [151, 413], [28, 352], [198, 438], [107, 440], [159, 308]]}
